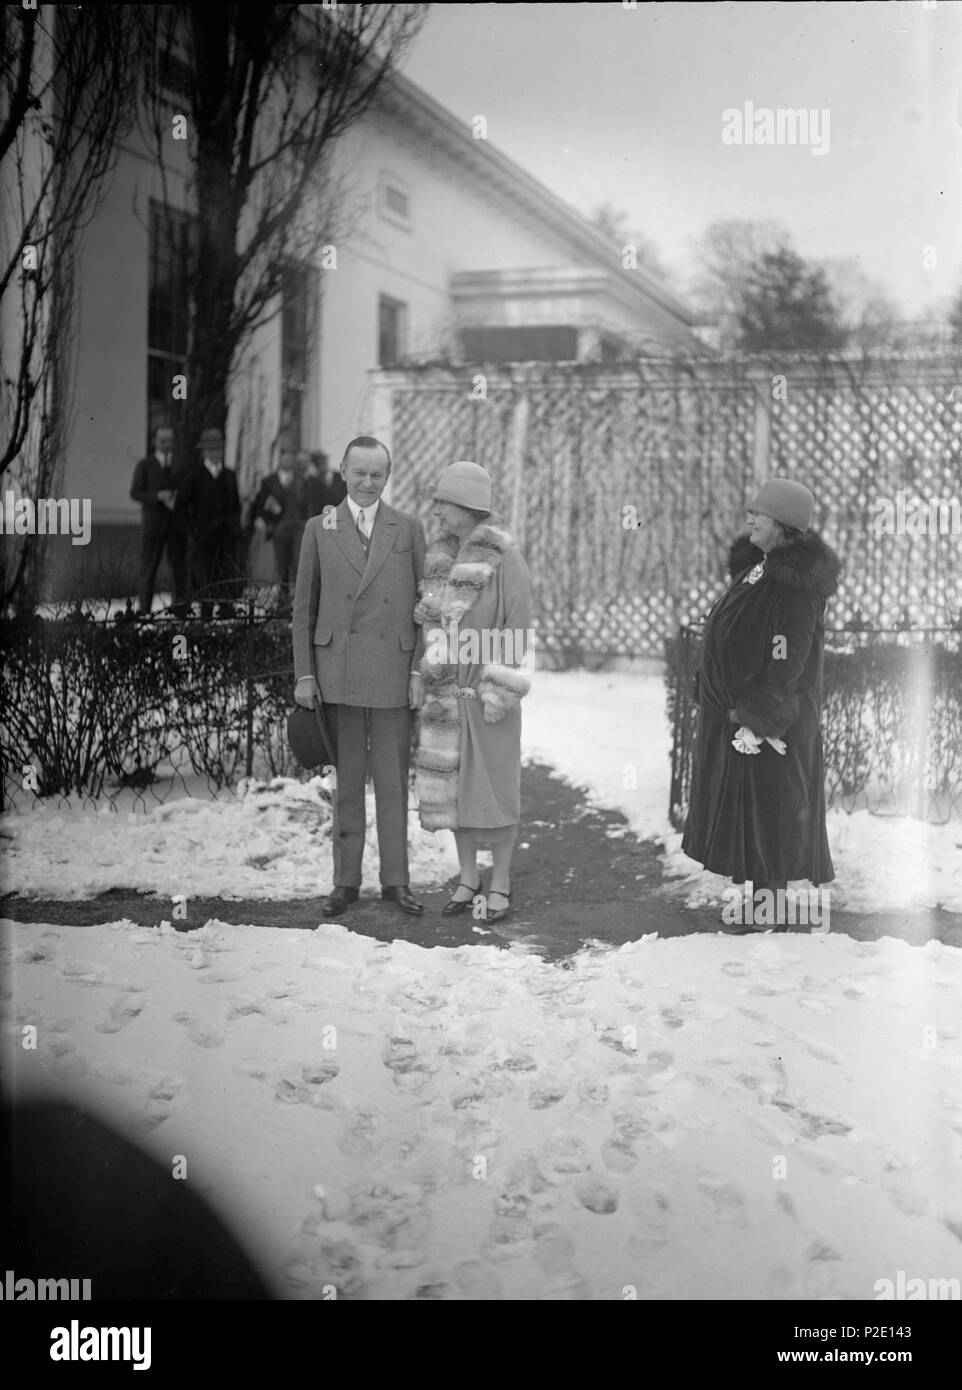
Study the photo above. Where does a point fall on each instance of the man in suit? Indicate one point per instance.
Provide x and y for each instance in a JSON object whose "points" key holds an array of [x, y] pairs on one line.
{"points": [[280, 510], [160, 526], [354, 642], [322, 486], [210, 505]]}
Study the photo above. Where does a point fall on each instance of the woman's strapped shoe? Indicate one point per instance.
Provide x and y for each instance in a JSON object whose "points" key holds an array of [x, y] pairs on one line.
{"points": [[498, 914], [455, 905]]}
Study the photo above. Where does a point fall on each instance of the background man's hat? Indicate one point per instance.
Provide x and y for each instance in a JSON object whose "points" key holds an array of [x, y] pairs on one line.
{"points": [[466, 484], [210, 439], [786, 501]]}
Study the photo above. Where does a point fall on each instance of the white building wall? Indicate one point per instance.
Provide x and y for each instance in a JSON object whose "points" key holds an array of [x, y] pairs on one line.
{"points": [[109, 432], [453, 228]]}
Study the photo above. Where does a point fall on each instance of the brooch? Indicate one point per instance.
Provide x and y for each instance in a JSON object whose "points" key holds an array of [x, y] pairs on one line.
{"points": [[755, 574]]}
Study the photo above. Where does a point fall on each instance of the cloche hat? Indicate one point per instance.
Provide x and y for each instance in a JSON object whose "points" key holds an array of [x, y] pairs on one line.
{"points": [[786, 501], [466, 484]]}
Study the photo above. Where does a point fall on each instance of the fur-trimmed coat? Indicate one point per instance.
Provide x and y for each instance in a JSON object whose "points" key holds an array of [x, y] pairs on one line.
{"points": [[468, 762], [762, 816]]}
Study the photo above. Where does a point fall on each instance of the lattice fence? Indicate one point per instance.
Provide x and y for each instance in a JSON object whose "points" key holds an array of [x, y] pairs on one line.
{"points": [[684, 442]]}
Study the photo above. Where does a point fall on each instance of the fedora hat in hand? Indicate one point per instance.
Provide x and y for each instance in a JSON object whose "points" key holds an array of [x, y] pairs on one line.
{"points": [[309, 737]]}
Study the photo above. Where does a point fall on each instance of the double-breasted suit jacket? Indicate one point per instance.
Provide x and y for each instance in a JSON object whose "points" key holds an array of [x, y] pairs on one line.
{"points": [[353, 627], [354, 632]]}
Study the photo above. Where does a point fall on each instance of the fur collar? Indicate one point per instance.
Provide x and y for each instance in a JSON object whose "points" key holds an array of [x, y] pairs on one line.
{"points": [[456, 572], [806, 564]]}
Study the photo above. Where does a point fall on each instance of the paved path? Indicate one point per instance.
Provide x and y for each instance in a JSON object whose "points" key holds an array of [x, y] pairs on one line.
{"points": [[574, 882]]}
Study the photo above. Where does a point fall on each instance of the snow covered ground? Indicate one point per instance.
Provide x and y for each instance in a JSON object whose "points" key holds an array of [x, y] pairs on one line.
{"points": [[700, 1117], [606, 732], [703, 1117]]}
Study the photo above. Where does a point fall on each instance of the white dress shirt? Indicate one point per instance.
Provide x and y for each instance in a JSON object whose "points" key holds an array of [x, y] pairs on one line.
{"points": [[369, 513]]}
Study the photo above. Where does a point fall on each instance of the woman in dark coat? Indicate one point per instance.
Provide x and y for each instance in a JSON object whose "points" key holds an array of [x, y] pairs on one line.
{"points": [[757, 808]]}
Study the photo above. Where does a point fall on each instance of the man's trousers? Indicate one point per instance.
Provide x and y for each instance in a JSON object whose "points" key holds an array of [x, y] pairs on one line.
{"points": [[378, 740], [158, 534]]}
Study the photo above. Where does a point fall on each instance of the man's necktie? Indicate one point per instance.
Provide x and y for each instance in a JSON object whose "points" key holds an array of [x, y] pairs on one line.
{"points": [[361, 533]]}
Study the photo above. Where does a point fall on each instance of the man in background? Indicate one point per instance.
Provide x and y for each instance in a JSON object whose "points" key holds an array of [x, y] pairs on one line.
{"points": [[280, 511], [323, 485], [161, 526], [210, 506]]}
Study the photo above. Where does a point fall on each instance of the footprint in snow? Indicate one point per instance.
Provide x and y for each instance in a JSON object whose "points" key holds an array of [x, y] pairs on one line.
{"points": [[618, 1153], [477, 1282], [201, 1033], [784, 1200], [34, 953], [567, 1288], [684, 1011], [550, 1090], [242, 1005], [82, 972], [304, 1089], [593, 1093], [728, 1205], [327, 1264], [899, 1187], [614, 1038], [508, 1237], [123, 1011], [553, 1249], [564, 1154], [821, 1252], [157, 1107], [519, 1061], [116, 1076], [596, 1195], [67, 1060], [359, 1139], [401, 1057], [811, 1125], [395, 1220], [433, 1291], [649, 1219]]}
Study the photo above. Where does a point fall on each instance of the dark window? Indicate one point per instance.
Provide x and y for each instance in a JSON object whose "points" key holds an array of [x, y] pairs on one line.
{"points": [[298, 318], [550, 343], [167, 311], [390, 339], [397, 201]]}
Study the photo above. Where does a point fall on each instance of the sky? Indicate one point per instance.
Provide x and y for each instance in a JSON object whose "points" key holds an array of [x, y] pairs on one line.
{"points": [[604, 103]]}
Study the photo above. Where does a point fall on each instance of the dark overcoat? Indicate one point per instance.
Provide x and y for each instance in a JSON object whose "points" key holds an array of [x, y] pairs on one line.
{"points": [[762, 816]]}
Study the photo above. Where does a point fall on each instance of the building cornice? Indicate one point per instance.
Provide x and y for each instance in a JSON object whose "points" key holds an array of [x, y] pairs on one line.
{"points": [[425, 119]]}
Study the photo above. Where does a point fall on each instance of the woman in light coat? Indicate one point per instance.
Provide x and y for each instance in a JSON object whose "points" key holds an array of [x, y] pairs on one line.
{"points": [[477, 652]]}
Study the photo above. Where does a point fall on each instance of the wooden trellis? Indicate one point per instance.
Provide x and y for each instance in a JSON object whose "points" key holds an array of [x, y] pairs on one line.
{"points": [[685, 442]]}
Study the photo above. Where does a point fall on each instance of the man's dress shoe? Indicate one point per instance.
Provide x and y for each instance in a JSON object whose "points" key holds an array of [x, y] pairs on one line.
{"points": [[341, 898], [404, 898]]}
